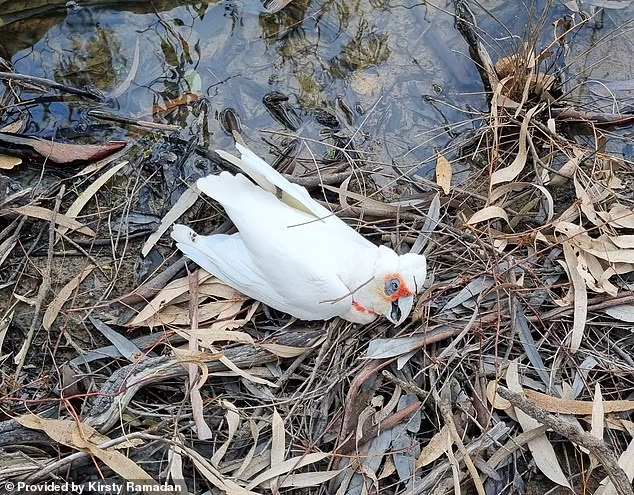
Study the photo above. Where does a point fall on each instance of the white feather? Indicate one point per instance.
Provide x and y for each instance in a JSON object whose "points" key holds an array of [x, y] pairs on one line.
{"points": [[290, 252]]}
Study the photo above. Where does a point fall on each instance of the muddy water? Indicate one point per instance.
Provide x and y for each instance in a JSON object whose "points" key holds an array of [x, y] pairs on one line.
{"points": [[396, 74]]}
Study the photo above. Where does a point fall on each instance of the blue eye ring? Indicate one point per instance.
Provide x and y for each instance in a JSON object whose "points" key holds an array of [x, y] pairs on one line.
{"points": [[392, 286]]}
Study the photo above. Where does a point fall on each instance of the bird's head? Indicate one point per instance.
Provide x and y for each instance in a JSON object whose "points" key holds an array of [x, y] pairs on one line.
{"points": [[397, 280]]}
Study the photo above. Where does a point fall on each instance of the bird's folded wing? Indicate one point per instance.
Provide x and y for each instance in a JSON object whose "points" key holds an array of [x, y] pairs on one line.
{"points": [[272, 181], [226, 257], [286, 193], [291, 291]]}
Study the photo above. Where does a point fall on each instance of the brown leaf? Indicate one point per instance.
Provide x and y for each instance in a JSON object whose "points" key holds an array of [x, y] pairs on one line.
{"points": [[488, 213], [443, 173], [86, 439], [46, 214], [436, 447], [7, 162], [171, 291], [580, 295], [90, 191], [514, 169], [288, 466], [60, 299], [541, 448], [576, 407], [61, 153]]}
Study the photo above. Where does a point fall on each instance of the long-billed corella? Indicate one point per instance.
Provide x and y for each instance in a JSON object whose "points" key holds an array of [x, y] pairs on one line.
{"points": [[293, 254]]}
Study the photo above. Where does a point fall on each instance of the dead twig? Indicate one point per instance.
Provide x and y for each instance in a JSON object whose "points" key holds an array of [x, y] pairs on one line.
{"points": [[575, 434]]}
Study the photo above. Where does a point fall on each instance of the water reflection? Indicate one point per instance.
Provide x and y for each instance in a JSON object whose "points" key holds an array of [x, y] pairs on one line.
{"points": [[402, 62]]}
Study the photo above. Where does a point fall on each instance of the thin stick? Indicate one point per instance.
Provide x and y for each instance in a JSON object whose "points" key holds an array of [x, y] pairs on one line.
{"points": [[574, 433]]}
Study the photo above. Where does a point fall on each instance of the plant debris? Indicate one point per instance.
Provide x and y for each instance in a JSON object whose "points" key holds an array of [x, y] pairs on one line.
{"points": [[123, 361]]}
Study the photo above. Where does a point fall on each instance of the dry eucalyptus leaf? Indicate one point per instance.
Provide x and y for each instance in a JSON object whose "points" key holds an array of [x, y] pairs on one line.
{"points": [[575, 407], [488, 213], [436, 447], [86, 439], [514, 169], [443, 173], [622, 312], [7, 162], [541, 448], [46, 214], [62, 296], [580, 296]]}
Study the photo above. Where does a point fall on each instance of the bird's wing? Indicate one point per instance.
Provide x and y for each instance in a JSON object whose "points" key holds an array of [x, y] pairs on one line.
{"points": [[272, 181], [228, 258], [293, 195]]}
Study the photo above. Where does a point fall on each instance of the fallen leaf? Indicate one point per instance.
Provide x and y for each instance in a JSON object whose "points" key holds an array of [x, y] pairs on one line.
{"points": [[472, 289], [304, 480], [362, 201], [285, 351], [431, 222], [170, 292], [244, 374], [287, 466], [273, 6], [580, 297], [278, 444], [541, 448], [598, 413], [575, 407], [568, 169], [7, 162], [60, 219], [502, 190], [494, 399], [62, 153], [62, 296], [125, 346], [436, 447], [212, 475], [186, 201], [86, 439], [488, 213], [387, 348], [90, 191], [622, 312], [626, 462], [620, 216], [514, 169], [443, 173], [232, 417]]}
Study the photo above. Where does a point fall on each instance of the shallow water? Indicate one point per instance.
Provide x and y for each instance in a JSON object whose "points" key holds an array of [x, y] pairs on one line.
{"points": [[400, 67]]}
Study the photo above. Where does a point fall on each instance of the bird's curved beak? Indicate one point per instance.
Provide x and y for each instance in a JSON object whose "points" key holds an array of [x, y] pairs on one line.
{"points": [[401, 308]]}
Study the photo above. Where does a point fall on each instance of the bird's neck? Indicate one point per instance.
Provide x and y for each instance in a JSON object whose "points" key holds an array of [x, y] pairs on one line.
{"points": [[357, 273]]}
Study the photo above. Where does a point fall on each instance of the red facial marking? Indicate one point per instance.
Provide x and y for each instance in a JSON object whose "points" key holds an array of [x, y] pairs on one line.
{"points": [[403, 291], [361, 309]]}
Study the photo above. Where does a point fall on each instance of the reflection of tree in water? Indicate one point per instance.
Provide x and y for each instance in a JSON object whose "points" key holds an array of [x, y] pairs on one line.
{"points": [[180, 51], [367, 48], [319, 46], [94, 52]]}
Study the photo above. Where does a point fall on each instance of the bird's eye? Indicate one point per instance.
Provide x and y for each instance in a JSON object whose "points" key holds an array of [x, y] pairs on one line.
{"points": [[392, 286]]}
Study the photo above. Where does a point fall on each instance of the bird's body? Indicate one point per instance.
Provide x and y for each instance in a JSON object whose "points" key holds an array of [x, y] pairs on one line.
{"points": [[294, 255]]}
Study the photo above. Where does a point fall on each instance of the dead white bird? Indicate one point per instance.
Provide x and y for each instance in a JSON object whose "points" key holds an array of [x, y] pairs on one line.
{"points": [[294, 255]]}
